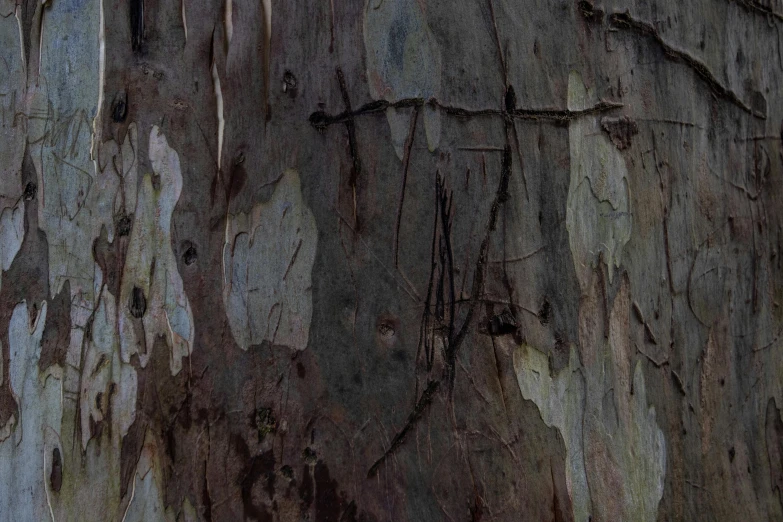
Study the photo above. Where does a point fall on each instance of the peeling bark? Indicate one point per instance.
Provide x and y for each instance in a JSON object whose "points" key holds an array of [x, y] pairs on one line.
{"points": [[391, 260]]}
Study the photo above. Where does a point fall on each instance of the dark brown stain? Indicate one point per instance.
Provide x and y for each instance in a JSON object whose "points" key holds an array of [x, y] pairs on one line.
{"points": [[56, 476], [138, 303], [119, 106], [57, 334], [30, 191], [258, 466], [237, 177], [328, 503], [136, 16], [124, 225], [774, 429], [306, 488], [190, 254]]}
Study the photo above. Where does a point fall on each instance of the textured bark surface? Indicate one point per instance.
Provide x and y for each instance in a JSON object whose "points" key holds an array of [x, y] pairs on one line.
{"points": [[391, 260]]}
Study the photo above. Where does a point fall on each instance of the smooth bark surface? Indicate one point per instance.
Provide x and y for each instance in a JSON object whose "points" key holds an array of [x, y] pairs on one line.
{"points": [[391, 260]]}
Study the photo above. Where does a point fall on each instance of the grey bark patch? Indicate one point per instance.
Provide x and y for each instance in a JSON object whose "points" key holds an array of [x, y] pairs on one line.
{"points": [[267, 263]]}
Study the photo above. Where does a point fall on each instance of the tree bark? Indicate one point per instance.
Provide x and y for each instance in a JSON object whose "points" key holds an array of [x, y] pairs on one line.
{"points": [[391, 260]]}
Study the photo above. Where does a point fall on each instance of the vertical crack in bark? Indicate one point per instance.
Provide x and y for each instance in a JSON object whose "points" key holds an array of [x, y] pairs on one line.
{"points": [[137, 24], [356, 167]]}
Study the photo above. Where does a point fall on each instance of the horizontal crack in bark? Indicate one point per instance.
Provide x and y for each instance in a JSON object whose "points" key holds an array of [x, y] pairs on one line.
{"points": [[320, 119]]}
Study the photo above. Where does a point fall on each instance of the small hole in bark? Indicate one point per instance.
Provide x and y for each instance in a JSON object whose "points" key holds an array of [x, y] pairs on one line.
{"points": [[289, 84], [731, 454], [386, 330], [309, 455], [545, 312], [119, 107], [511, 99], [502, 323], [124, 225], [30, 190], [190, 255], [138, 303], [98, 401], [265, 422], [56, 477]]}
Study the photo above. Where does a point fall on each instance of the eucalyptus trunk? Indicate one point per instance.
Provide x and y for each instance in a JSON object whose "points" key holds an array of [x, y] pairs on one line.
{"points": [[395, 260]]}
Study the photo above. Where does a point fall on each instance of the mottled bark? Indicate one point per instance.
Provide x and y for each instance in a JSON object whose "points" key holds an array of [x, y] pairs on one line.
{"points": [[391, 260]]}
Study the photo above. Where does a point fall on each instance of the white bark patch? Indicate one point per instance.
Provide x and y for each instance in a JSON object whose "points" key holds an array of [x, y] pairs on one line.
{"points": [[26, 456], [151, 268], [219, 104], [96, 122], [146, 503], [403, 61], [598, 213], [229, 21], [561, 402], [11, 233], [616, 454], [184, 20], [268, 259]]}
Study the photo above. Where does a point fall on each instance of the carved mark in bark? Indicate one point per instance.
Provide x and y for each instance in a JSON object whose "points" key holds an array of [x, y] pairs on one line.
{"points": [[356, 168], [405, 162], [421, 406], [442, 267], [455, 341], [321, 120]]}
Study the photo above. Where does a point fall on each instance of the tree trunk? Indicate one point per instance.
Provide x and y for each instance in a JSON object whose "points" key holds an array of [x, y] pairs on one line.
{"points": [[391, 260]]}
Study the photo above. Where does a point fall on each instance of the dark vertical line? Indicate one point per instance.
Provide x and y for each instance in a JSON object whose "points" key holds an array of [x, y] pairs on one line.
{"points": [[405, 162], [137, 24]]}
